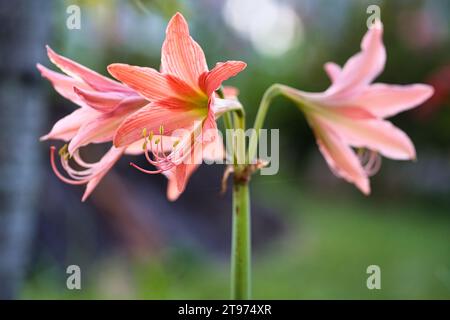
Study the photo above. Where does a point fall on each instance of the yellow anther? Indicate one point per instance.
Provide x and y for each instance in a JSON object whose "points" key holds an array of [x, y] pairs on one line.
{"points": [[157, 141], [150, 136], [144, 132], [161, 130], [63, 151], [144, 145], [176, 143]]}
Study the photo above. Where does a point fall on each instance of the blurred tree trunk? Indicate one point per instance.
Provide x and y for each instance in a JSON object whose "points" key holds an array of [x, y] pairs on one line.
{"points": [[23, 33]]}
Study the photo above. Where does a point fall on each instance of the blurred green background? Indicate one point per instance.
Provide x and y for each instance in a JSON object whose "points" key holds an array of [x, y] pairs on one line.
{"points": [[314, 234]]}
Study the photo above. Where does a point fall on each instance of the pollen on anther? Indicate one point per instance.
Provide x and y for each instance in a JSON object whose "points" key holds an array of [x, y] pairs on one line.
{"points": [[144, 133]]}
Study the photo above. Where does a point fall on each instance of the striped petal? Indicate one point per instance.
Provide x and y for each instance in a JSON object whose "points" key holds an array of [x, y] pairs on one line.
{"points": [[77, 71], [151, 118], [146, 81], [213, 79], [181, 56], [64, 85]]}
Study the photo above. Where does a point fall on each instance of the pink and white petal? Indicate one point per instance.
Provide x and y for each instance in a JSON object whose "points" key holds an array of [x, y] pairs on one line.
{"points": [[67, 127], [384, 100], [221, 72], [364, 67], [181, 56], [99, 130], [339, 156], [102, 168], [221, 106], [104, 126], [151, 118], [375, 134], [64, 84], [80, 72], [102, 101], [333, 70], [148, 82]]}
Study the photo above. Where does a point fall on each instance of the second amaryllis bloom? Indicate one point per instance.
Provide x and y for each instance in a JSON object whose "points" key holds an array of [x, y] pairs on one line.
{"points": [[103, 105], [351, 112], [183, 100]]}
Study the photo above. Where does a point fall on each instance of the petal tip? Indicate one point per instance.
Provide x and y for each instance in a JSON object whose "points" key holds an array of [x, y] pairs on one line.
{"points": [[177, 24], [364, 187]]}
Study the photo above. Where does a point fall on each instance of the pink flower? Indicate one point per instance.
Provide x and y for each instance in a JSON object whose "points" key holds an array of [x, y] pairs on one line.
{"points": [[103, 105], [183, 100], [351, 112]]}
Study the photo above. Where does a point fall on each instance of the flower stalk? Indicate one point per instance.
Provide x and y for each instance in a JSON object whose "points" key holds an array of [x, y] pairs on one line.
{"points": [[241, 241]]}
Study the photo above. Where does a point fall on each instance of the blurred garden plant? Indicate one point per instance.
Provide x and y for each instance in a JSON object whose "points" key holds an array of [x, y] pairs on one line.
{"points": [[170, 116]]}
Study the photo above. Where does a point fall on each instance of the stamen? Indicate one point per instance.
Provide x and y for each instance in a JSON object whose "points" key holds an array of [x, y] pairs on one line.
{"points": [[370, 160], [59, 175]]}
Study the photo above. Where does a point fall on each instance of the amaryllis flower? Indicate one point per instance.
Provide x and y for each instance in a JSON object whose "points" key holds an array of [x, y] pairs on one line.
{"points": [[351, 112], [103, 105], [183, 99]]}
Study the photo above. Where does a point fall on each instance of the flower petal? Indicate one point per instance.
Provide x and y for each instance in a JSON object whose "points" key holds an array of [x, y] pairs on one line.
{"points": [[333, 70], [67, 127], [77, 71], [385, 100], [178, 178], [64, 85], [339, 156], [104, 126], [104, 101], [375, 134], [146, 81], [365, 66], [213, 79], [181, 56], [102, 168], [151, 118]]}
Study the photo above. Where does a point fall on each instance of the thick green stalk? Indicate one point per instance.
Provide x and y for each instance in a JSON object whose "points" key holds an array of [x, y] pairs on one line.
{"points": [[241, 242]]}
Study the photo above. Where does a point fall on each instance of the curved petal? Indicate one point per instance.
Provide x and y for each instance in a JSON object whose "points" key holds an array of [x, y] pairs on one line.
{"points": [[385, 100], [151, 118], [102, 168], [77, 71], [213, 79], [339, 156], [220, 106], [64, 84], [181, 56], [146, 81], [178, 179], [333, 70], [375, 134], [104, 126], [365, 66], [67, 127], [102, 101]]}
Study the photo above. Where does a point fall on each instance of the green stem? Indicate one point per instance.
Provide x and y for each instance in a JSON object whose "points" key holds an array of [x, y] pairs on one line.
{"points": [[241, 246], [273, 91]]}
